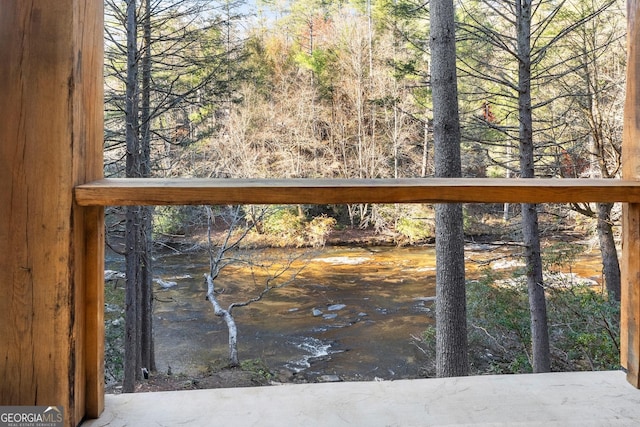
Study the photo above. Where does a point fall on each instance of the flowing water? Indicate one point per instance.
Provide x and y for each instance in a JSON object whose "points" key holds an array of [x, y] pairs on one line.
{"points": [[351, 311]]}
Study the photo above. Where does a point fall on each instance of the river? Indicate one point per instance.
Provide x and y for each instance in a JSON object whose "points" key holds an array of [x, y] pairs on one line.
{"points": [[351, 311]]}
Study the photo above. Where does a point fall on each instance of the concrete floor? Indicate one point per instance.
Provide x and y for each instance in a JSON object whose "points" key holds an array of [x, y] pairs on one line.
{"points": [[558, 399]]}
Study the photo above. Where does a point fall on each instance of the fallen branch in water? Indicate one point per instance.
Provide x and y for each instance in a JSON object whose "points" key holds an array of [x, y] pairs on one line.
{"points": [[219, 260]]}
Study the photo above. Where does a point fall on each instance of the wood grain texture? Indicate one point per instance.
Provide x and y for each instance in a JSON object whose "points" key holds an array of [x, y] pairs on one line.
{"points": [[37, 346], [630, 294], [93, 264], [88, 250], [155, 191], [50, 138], [630, 260]]}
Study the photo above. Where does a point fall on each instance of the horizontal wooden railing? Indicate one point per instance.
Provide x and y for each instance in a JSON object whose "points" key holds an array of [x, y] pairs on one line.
{"points": [[195, 191], [188, 191]]}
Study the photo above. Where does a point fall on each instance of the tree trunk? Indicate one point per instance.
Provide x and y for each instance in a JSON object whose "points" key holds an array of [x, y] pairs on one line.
{"points": [[530, 232], [451, 316], [228, 319], [506, 207], [146, 348], [138, 341], [425, 146], [131, 307], [233, 338], [146, 303], [132, 261], [610, 263], [535, 286]]}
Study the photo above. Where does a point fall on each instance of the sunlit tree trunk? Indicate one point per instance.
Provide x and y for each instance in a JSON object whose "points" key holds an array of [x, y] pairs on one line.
{"points": [[530, 232], [451, 321], [229, 320]]}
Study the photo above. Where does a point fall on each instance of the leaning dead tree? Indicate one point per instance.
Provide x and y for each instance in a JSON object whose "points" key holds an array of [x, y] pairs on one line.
{"points": [[218, 259]]}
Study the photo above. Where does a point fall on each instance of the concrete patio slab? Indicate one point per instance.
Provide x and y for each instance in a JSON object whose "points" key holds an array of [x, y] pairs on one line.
{"points": [[557, 399]]}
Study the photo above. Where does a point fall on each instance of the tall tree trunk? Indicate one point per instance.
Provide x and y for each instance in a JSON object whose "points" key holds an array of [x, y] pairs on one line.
{"points": [[146, 280], [535, 286], [131, 364], [599, 168], [610, 263], [132, 261], [530, 232], [451, 310], [138, 341]]}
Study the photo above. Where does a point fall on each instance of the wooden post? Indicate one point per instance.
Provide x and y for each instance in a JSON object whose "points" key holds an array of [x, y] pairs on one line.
{"points": [[51, 262], [630, 266]]}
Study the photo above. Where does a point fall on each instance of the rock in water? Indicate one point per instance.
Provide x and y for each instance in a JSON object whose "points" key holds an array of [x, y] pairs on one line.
{"points": [[166, 284], [329, 379]]}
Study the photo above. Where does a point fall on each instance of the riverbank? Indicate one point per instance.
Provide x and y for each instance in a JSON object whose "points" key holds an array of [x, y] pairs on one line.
{"points": [[480, 226]]}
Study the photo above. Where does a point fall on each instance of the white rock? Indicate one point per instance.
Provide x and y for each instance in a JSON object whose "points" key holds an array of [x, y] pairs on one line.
{"points": [[166, 284]]}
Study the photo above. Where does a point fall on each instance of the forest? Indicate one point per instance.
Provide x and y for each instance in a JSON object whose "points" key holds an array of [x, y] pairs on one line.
{"points": [[344, 89]]}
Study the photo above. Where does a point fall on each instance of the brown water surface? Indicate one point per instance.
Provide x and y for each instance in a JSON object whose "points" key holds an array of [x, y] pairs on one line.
{"points": [[350, 311]]}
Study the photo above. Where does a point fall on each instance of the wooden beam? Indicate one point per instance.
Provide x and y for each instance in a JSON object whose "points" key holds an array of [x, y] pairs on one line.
{"points": [[154, 191], [93, 263], [630, 262], [50, 140], [630, 294], [88, 161]]}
